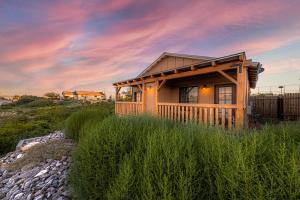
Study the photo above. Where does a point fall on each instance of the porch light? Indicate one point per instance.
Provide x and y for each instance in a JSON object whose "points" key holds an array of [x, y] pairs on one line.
{"points": [[204, 86]]}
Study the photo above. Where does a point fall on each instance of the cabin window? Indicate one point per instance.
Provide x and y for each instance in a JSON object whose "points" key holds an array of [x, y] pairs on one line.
{"points": [[188, 95]]}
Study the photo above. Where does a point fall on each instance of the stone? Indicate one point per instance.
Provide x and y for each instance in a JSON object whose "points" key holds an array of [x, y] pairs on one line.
{"points": [[40, 197], [41, 173], [44, 180], [28, 146], [20, 156], [18, 196], [29, 197]]}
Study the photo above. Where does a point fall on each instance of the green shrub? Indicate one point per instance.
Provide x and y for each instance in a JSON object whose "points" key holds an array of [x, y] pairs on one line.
{"points": [[145, 158], [75, 124], [40, 103], [31, 123]]}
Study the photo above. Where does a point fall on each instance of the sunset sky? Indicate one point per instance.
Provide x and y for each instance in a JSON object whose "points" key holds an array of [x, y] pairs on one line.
{"points": [[87, 45]]}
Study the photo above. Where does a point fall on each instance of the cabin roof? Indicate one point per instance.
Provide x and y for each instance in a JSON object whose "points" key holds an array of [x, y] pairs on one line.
{"points": [[254, 68]]}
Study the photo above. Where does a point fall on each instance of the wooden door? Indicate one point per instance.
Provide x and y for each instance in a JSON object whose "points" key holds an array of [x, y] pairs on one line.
{"points": [[150, 98]]}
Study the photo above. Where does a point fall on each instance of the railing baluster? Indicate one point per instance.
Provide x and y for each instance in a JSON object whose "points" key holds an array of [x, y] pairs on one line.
{"points": [[205, 116], [223, 117], [229, 118], [216, 116], [182, 113], [200, 115], [186, 114], [211, 116], [195, 114]]}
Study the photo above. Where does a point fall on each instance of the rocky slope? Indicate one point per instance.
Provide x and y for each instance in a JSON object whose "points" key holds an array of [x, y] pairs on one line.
{"points": [[37, 169]]}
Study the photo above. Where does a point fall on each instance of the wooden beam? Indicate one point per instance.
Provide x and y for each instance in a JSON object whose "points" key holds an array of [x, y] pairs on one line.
{"points": [[161, 84], [205, 70], [140, 87], [213, 63], [228, 77]]}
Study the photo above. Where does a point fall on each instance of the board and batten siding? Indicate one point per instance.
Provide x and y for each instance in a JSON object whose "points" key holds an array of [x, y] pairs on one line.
{"points": [[170, 62]]}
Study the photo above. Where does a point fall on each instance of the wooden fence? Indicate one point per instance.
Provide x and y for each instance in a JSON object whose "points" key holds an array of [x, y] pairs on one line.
{"points": [[282, 107]]}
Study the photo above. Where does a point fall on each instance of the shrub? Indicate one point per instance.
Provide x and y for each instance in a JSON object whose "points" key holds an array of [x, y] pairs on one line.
{"points": [[31, 123], [75, 124], [145, 158], [39, 103]]}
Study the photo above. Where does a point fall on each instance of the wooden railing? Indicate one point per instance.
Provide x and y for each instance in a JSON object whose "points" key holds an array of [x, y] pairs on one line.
{"points": [[208, 114], [128, 108]]}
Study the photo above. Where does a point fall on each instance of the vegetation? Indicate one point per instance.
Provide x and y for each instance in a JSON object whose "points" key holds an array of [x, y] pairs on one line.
{"points": [[35, 116], [75, 124], [31, 122], [146, 158]]}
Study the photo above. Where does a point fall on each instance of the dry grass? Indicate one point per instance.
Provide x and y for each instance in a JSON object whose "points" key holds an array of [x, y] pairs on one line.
{"points": [[41, 153]]}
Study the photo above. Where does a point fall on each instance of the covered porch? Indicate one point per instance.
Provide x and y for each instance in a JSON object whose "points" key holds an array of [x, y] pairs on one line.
{"points": [[211, 93]]}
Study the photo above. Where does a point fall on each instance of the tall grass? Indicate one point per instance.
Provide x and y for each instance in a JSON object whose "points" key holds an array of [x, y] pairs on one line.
{"points": [[146, 158], [77, 123]]}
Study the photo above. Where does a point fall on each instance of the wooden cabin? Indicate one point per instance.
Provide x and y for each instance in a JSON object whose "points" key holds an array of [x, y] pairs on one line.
{"points": [[209, 90]]}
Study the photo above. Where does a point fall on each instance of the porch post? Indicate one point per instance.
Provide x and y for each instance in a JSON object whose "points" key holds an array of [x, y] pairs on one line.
{"points": [[143, 97], [116, 99], [156, 96], [241, 94]]}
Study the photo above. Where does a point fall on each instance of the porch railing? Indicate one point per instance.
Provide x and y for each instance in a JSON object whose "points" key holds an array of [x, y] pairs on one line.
{"points": [[209, 114], [128, 108]]}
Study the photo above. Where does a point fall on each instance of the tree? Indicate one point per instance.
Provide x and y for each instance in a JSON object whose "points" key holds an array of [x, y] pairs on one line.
{"points": [[52, 95]]}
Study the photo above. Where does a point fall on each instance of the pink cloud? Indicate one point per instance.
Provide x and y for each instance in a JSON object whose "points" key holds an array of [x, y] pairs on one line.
{"points": [[128, 44]]}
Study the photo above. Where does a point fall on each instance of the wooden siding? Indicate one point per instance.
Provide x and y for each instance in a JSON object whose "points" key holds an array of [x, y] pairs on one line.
{"points": [[171, 63]]}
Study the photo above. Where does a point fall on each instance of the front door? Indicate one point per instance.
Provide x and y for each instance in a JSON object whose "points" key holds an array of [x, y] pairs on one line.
{"points": [[225, 94], [150, 98]]}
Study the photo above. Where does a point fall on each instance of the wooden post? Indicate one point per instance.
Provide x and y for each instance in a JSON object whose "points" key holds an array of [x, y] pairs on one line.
{"points": [[143, 97], [156, 96], [116, 100], [241, 94]]}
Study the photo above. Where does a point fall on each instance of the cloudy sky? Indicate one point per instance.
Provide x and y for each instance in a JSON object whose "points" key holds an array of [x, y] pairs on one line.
{"points": [[58, 45]]}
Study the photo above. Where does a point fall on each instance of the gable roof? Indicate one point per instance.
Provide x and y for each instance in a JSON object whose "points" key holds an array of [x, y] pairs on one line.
{"points": [[254, 68], [166, 54]]}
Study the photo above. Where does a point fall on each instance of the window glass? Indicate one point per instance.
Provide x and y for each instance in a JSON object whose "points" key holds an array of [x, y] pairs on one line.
{"points": [[225, 95], [188, 95]]}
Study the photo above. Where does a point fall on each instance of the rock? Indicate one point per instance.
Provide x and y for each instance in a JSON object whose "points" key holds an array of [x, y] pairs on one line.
{"points": [[35, 181], [40, 197], [28, 146], [18, 196], [29, 197], [20, 156], [41, 173]]}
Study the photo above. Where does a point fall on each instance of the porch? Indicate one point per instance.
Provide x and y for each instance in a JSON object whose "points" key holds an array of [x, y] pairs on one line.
{"points": [[214, 91]]}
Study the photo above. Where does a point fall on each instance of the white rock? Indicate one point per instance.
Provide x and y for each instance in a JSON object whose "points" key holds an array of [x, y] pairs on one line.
{"points": [[20, 156], [29, 145], [41, 173], [18, 196]]}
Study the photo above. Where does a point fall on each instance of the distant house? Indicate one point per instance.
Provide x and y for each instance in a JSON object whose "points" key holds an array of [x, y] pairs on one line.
{"points": [[68, 94], [84, 95], [89, 95], [208, 90]]}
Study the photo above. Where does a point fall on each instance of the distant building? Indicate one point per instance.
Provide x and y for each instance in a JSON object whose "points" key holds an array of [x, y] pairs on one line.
{"points": [[68, 94], [84, 95]]}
